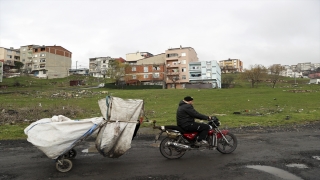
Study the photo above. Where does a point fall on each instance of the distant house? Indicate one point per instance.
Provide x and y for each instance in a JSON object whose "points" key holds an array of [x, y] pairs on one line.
{"points": [[231, 65], [99, 66], [314, 81], [147, 71], [46, 61], [81, 71]]}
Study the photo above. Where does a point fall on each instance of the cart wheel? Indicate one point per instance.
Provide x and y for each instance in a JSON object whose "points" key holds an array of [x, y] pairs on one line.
{"points": [[72, 154], [64, 165]]}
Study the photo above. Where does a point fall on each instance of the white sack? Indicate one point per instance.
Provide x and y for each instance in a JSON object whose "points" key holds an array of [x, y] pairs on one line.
{"points": [[114, 139], [54, 136]]}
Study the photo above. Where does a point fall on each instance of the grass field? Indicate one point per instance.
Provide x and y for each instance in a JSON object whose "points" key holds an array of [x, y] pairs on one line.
{"points": [[261, 106]]}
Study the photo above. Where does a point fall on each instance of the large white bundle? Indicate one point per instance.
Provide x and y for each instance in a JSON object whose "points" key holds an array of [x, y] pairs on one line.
{"points": [[54, 136], [114, 139]]}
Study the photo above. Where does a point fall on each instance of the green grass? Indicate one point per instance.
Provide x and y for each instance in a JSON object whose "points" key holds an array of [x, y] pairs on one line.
{"points": [[263, 106]]}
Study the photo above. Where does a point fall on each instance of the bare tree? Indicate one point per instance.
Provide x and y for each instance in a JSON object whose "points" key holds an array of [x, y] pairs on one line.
{"points": [[173, 75], [275, 71], [116, 70], [254, 74]]}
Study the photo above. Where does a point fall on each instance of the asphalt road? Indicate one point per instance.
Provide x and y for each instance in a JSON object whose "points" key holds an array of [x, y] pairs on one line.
{"points": [[263, 153]]}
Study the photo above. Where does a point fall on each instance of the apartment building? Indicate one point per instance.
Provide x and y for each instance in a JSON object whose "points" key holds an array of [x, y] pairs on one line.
{"points": [[303, 66], [131, 58], [8, 56], [46, 61], [204, 74], [177, 66], [147, 71], [231, 65], [99, 66]]}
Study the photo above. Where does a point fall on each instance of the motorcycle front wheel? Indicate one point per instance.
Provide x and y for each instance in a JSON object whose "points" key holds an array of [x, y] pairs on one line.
{"points": [[170, 152], [227, 147]]}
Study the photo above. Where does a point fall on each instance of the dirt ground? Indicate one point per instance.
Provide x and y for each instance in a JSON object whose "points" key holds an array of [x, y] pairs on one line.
{"points": [[295, 149]]}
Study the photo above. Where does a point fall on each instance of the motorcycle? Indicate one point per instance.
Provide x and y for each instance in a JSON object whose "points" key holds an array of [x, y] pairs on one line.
{"points": [[178, 141]]}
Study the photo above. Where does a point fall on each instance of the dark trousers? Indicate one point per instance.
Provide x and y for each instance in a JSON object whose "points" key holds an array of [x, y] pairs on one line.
{"points": [[203, 129]]}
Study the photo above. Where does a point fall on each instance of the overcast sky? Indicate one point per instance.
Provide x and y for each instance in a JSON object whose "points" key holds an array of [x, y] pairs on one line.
{"points": [[262, 32]]}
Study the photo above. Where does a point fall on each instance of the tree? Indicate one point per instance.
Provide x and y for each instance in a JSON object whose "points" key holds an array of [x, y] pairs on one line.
{"points": [[227, 78], [18, 65], [116, 70], [275, 71], [254, 74]]}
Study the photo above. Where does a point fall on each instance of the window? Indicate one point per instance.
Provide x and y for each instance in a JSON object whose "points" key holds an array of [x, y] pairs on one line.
{"points": [[42, 60], [42, 55], [42, 65], [183, 62], [172, 55], [146, 76], [133, 69], [156, 75], [35, 66], [104, 66], [183, 69], [183, 85], [134, 77], [35, 50], [183, 54], [44, 72], [172, 85], [36, 55], [157, 68], [184, 77], [145, 69], [42, 49], [195, 67], [23, 60]]}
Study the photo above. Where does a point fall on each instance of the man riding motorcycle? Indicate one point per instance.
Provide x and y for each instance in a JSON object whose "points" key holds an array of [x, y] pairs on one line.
{"points": [[186, 115]]}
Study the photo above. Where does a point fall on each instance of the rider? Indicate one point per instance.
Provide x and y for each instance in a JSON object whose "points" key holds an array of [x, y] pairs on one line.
{"points": [[185, 119]]}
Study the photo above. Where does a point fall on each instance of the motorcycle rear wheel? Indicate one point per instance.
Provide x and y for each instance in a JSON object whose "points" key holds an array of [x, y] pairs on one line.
{"points": [[226, 148], [169, 151]]}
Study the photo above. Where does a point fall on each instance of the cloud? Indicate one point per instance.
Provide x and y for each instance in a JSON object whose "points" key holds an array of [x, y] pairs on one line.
{"points": [[256, 32]]}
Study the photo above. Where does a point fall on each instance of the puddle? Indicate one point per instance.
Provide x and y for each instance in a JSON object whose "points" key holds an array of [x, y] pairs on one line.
{"points": [[301, 166], [316, 157], [90, 150], [276, 172]]}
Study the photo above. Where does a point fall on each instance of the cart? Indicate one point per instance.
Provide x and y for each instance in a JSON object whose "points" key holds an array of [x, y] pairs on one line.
{"points": [[57, 136]]}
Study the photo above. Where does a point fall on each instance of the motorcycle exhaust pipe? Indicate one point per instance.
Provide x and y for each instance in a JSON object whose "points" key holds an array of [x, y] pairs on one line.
{"points": [[178, 145]]}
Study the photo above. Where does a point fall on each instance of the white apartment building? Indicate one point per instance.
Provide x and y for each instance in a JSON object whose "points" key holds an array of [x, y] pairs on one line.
{"points": [[99, 66], [204, 73]]}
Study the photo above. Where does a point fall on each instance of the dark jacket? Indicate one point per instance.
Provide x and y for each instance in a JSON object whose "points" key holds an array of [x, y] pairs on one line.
{"points": [[186, 114]]}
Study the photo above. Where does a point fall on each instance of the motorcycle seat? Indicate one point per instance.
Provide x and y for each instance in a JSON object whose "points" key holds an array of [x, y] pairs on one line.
{"points": [[177, 128]]}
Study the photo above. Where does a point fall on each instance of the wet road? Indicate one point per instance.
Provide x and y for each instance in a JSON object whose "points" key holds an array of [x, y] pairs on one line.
{"points": [[261, 154]]}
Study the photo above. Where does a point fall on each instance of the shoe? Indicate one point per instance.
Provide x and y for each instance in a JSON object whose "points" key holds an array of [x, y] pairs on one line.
{"points": [[201, 143]]}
